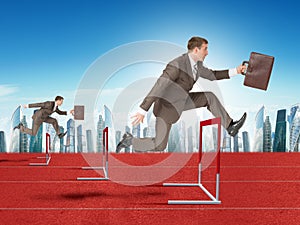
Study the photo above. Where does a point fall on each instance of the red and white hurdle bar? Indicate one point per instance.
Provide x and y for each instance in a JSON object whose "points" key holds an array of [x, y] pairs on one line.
{"points": [[104, 166], [47, 156], [214, 199]]}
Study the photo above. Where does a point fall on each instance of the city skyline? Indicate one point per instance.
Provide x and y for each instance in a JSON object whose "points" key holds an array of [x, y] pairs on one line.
{"points": [[182, 138]]}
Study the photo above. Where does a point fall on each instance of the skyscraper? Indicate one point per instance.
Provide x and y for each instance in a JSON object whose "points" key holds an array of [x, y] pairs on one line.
{"points": [[236, 143], [127, 149], [89, 141], [246, 144], [100, 127], [294, 124], [182, 136], [24, 145], [197, 129], [61, 140], [173, 142], [267, 138], [111, 130], [258, 135], [2, 142], [279, 144], [136, 131], [215, 137], [190, 140], [79, 139], [145, 131], [14, 145], [118, 136], [226, 146], [70, 146], [36, 142]]}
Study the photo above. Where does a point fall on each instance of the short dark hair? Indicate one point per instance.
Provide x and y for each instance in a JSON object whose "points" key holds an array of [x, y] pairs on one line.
{"points": [[58, 98], [196, 42]]}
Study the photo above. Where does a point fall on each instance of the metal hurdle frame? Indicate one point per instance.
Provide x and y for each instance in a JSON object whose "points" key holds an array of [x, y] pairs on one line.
{"points": [[104, 160], [47, 157], [214, 199]]}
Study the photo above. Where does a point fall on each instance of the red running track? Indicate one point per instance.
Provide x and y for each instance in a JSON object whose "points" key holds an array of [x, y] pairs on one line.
{"points": [[255, 188]]}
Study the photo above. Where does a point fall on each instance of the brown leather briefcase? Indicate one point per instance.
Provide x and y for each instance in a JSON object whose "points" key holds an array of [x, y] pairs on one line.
{"points": [[258, 71], [79, 112]]}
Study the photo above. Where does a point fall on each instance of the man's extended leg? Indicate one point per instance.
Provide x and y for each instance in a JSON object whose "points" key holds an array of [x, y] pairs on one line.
{"points": [[209, 100], [55, 126]]}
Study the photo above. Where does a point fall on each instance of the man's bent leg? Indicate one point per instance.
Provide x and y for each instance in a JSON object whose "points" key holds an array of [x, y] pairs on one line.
{"points": [[157, 143]]}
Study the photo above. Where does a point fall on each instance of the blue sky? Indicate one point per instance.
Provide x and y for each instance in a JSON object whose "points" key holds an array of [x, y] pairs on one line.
{"points": [[46, 46]]}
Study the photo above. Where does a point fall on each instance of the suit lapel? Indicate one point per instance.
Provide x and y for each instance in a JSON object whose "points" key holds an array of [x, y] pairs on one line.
{"points": [[188, 68]]}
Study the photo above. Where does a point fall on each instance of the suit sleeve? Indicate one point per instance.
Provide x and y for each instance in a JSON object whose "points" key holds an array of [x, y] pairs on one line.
{"points": [[170, 74], [212, 74], [36, 105], [60, 112]]}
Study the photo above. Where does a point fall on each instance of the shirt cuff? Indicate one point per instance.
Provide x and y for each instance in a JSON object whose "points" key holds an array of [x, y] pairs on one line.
{"points": [[232, 72], [141, 111]]}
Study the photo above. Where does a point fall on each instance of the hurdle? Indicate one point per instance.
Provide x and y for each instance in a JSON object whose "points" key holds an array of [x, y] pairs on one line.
{"points": [[104, 166], [47, 156], [214, 199]]}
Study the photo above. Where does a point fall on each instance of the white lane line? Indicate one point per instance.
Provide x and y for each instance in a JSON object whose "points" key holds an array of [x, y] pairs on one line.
{"points": [[153, 208]]}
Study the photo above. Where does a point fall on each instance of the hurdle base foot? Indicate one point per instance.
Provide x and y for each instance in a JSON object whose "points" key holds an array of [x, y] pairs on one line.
{"points": [[41, 164], [193, 202], [92, 178]]}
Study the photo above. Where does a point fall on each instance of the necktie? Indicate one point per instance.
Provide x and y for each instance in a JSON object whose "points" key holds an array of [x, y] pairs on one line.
{"points": [[195, 70]]}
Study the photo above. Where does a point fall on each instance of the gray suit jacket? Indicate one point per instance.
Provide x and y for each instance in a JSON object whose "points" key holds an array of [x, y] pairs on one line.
{"points": [[171, 91], [46, 109]]}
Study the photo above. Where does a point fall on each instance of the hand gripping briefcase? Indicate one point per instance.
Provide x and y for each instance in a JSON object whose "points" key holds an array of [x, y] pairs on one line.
{"points": [[258, 71]]}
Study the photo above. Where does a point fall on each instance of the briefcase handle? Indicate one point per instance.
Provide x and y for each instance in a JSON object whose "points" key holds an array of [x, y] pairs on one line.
{"points": [[245, 62]]}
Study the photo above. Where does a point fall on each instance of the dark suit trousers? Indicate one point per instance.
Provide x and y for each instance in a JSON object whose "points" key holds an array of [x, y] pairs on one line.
{"points": [[36, 125], [162, 129]]}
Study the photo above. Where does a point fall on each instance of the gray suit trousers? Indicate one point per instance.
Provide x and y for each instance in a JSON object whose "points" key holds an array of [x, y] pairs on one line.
{"points": [[162, 128], [36, 125]]}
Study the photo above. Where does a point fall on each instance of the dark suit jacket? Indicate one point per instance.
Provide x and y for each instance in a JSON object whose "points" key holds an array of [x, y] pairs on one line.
{"points": [[171, 91], [46, 109]]}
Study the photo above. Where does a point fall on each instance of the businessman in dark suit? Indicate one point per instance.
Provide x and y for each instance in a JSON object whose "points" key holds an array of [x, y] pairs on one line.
{"points": [[170, 96], [43, 115]]}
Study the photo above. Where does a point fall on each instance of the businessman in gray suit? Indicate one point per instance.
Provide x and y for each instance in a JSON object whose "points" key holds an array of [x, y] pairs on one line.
{"points": [[43, 115], [170, 96]]}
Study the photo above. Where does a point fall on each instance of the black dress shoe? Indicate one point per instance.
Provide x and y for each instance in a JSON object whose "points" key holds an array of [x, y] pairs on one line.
{"points": [[234, 127], [126, 142], [61, 135], [18, 126]]}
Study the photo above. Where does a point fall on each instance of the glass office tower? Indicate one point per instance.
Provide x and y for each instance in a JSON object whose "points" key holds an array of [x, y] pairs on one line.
{"points": [[279, 144]]}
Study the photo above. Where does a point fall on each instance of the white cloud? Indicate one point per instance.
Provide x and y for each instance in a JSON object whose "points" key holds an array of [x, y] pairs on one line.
{"points": [[8, 90]]}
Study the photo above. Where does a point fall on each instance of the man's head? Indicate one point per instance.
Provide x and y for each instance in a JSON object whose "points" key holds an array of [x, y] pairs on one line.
{"points": [[59, 100], [198, 48]]}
